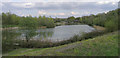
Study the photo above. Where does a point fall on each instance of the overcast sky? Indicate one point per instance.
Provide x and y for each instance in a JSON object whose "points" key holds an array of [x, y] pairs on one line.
{"points": [[58, 8]]}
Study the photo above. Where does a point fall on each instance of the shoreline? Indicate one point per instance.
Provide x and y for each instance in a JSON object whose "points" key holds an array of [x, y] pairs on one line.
{"points": [[99, 28], [12, 28], [9, 28]]}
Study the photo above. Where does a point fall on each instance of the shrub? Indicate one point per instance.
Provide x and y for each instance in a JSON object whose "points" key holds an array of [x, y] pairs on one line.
{"points": [[111, 25]]}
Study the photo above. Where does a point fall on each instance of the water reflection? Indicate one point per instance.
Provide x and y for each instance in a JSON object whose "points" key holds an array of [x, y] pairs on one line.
{"points": [[54, 34], [44, 33]]}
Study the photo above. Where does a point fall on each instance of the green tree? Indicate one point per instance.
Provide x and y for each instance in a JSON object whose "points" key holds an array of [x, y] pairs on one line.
{"points": [[70, 19], [29, 26], [50, 23]]}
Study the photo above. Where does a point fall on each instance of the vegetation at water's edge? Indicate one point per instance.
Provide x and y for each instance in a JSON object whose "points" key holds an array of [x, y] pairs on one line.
{"points": [[18, 43], [106, 45], [13, 43]]}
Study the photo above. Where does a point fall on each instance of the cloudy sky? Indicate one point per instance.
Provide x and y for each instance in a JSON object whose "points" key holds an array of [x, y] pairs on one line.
{"points": [[58, 8]]}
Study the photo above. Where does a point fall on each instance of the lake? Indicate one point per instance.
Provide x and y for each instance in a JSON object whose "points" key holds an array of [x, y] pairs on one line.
{"points": [[58, 33]]}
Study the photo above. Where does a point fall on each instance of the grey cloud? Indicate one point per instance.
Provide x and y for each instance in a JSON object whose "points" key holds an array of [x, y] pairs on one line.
{"points": [[64, 6], [80, 7]]}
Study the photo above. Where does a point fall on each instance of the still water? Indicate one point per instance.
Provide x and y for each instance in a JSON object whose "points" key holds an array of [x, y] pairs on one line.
{"points": [[58, 33]]}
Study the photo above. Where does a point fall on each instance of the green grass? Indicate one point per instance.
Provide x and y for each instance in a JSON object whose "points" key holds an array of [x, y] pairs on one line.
{"points": [[106, 45], [7, 26], [100, 46]]}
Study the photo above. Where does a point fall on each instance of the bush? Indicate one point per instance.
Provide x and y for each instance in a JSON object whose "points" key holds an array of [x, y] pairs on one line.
{"points": [[92, 34], [111, 25]]}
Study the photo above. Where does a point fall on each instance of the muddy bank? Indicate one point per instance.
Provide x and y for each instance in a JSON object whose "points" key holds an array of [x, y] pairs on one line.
{"points": [[99, 28], [9, 28]]}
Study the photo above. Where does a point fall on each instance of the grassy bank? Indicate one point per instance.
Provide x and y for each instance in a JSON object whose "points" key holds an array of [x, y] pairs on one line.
{"points": [[106, 45]]}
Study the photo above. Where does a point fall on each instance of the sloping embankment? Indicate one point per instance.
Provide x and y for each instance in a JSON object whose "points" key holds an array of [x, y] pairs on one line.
{"points": [[106, 45]]}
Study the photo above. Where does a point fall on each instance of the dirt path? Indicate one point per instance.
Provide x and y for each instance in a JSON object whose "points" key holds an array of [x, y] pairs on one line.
{"points": [[60, 49], [9, 28], [71, 46]]}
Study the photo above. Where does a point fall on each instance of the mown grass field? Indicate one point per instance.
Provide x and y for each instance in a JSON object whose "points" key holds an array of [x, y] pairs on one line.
{"points": [[106, 45]]}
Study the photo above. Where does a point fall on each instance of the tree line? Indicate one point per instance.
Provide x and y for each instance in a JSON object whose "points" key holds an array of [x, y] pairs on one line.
{"points": [[108, 20], [11, 20]]}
